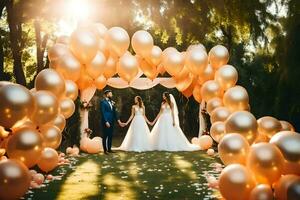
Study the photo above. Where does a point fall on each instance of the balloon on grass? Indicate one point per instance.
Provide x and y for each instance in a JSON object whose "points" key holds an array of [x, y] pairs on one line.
{"points": [[48, 160]]}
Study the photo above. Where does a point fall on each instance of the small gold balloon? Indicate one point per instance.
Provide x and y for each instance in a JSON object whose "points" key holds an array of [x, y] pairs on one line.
{"points": [[50, 80], [268, 125], [25, 145], [15, 179], [196, 60], [100, 82], [244, 123], [46, 107], [97, 65], [51, 136], [261, 192], [155, 55], [206, 75], [220, 114], [48, 160], [71, 90], [183, 84], [218, 56], [266, 162], [233, 148], [286, 126], [236, 98], [117, 40], [189, 91], [16, 104], [226, 76], [148, 69], [236, 182], [217, 131], [110, 68], [59, 122], [128, 67], [84, 81], [211, 89], [173, 62], [142, 43], [197, 93], [69, 67], [214, 103], [281, 186], [67, 107]]}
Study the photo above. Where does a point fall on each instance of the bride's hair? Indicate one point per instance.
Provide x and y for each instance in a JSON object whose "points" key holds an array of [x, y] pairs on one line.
{"points": [[168, 99], [140, 101]]}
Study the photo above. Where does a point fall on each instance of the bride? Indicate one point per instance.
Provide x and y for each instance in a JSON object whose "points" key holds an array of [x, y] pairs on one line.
{"points": [[167, 135], [137, 136]]}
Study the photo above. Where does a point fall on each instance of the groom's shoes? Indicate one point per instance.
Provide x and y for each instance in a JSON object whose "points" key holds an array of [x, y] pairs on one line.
{"points": [[105, 152], [110, 151]]}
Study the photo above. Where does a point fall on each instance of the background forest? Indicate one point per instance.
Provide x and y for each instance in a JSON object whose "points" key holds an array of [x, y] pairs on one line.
{"points": [[263, 37]]}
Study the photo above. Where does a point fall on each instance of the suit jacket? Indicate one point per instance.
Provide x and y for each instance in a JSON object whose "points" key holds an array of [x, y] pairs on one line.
{"points": [[108, 114]]}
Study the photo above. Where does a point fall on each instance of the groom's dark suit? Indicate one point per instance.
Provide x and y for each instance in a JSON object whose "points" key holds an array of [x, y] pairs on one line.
{"points": [[109, 114]]}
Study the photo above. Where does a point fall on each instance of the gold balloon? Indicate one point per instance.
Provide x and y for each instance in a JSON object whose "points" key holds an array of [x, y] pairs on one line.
{"points": [[110, 68], [183, 84], [103, 47], [211, 89], [220, 114], [161, 69], [51, 136], [50, 80], [206, 75], [236, 98], [261, 138], [100, 82], [69, 67], [96, 67], [236, 182], [286, 126], [213, 103], [84, 81], [67, 107], [226, 76], [16, 104], [205, 142], [15, 179], [128, 67], [149, 70], [118, 40], [197, 93], [244, 123], [25, 145], [167, 51], [281, 186], [64, 39], [48, 160], [142, 43], [59, 122], [266, 162], [261, 192], [217, 131], [173, 62], [84, 45], [268, 126], [233, 148], [100, 29], [71, 90], [155, 55], [289, 144], [196, 60], [218, 56], [46, 107], [57, 51], [189, 91]]}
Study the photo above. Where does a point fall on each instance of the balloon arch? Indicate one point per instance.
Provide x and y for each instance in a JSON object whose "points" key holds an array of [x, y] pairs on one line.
{"points": [[92, 57]]}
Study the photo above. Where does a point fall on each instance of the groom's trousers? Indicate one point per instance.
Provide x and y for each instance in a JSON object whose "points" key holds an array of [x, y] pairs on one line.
{"points": [[107, 138]]}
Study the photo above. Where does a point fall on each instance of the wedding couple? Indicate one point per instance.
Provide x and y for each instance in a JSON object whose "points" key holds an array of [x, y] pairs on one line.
{"points": [[166, 134]]}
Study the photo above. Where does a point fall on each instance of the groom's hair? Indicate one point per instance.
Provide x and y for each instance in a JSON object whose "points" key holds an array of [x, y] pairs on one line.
{"points": [[106, 92]]}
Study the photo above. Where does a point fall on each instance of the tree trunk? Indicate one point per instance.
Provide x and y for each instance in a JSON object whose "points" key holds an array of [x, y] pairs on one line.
{"points": [[15, 34], [40, 46], [2, 6]]}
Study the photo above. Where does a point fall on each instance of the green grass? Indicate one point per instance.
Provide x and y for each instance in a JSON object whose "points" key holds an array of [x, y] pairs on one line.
{"points": [[127, 175]]}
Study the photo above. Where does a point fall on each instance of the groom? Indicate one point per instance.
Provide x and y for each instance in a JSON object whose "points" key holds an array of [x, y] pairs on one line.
{"points": [[109, 116]]}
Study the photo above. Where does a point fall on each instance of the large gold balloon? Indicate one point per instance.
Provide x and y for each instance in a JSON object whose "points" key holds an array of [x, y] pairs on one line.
{"points": [[71, 90], [218, 56], [142, 43], [211, 89], [197, 93], [59, 122], [25, 145], [268, 126], [155, 55], [97, 65], [100, 82], [206, 75], [48, 160], [173, 62], [57, 51], [261, 192], [286, 126], [236, 98], [244, 123], [289, 144], [213, 104], [128, 67], [233, 148], [51, 136], [67, 107], [266, 162], [110, 67], [196, 60], [220, 114], [15, 179], [117, 40], [69, 67], [226, 76], [16, 104], [46, 107], [148, 69], [50, 80], [217, 131], [236, 182], [281, 186], [84, 81], [84, 45]]}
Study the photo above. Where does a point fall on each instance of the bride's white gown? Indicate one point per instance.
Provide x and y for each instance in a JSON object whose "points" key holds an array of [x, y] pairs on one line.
{"points": [[166, 137], [137, 136]]}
